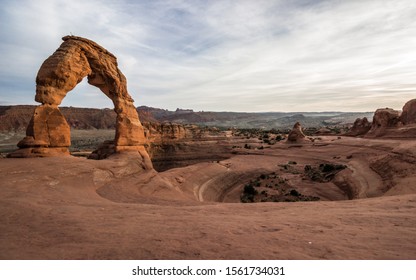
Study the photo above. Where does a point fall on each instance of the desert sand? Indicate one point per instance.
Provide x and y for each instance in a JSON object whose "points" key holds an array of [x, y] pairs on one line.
{"points": [[74, 208]]}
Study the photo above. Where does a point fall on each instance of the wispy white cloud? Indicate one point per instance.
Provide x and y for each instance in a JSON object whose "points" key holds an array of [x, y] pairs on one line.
{"points": [[226, 55]]}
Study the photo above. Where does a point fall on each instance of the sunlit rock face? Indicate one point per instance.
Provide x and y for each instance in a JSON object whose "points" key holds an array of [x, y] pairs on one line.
{"points": [[48, 132], [409, 112], [296, 134], [360, 127], [384, 119]]}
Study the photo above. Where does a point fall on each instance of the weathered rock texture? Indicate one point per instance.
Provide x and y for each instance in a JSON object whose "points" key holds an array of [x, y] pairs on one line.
{"points": [[360, 127], [166, 132], [388, 123], [296, 134], [161, 132], [409, 112], [74, 60], [383, 120], [175, 145]]}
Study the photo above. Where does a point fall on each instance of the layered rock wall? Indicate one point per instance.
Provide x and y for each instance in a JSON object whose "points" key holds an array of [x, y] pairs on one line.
{"points": [[157, 133]]}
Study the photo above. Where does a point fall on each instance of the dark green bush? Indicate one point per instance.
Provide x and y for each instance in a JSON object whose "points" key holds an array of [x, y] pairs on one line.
{"points": [[249, 189], [294, 193]]}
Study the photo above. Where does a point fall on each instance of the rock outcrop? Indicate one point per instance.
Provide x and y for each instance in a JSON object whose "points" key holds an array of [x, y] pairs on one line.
{"points": [[383, 120], [74, 60], [162, 132], [296, 134], [174, 145], [388, 123], [158, 133], [360, 127], [409, 112]]}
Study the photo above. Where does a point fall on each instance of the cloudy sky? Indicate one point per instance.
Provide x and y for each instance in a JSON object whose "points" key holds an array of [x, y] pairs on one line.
{"points": [[254, 55]]}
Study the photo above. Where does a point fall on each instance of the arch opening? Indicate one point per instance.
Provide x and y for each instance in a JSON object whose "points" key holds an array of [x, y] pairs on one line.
{"points": [[89, 127], [84, 94]]}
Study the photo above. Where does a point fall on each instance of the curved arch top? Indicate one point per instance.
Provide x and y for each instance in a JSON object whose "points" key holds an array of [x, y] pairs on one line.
{"points": [[74, 60]]}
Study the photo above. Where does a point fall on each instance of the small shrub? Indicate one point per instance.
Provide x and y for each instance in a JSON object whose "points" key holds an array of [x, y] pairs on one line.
{"points": [[279, 138], [326, 167], [294, 193], [249, 189], [247, 198]]}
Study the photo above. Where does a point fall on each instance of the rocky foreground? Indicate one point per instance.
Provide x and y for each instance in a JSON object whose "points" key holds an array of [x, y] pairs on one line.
{"points": [[74, 208]]}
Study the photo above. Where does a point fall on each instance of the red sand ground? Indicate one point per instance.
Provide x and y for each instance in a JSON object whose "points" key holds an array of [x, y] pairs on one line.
{"points": [[74, 208]]}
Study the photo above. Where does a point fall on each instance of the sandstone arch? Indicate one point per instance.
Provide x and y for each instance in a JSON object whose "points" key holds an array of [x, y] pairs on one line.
{"points": [[48, 132]]}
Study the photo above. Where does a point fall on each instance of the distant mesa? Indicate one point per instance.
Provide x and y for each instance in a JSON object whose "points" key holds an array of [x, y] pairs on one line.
{"points": [[296, 134], [178, 110], [48, 133]]}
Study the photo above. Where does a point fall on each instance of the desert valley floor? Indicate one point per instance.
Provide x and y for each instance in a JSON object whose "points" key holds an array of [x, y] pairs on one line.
{"points": [[75, 208]]}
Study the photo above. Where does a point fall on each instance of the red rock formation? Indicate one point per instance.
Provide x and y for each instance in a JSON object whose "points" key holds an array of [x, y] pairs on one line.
{"points": [[360, 127], [50, 127], [75, 59], [158, 133], [161, 132], [383, 120], [296, 134], [409, 112]]}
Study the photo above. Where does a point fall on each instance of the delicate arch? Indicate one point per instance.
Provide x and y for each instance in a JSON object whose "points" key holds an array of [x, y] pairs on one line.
{"points": [[48, 132]]}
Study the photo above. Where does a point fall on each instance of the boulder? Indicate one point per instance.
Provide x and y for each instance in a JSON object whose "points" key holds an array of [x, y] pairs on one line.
{"points": [[409, 112], [383, 120], [360, 127]]}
